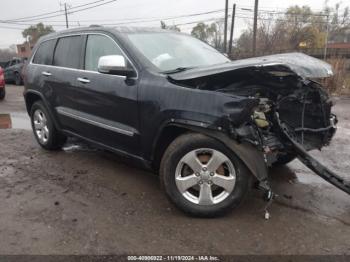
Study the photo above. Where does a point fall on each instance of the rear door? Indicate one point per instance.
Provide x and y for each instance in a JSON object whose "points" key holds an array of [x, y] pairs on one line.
{"points": [[62, 77], [106, 105], [38, 71]]}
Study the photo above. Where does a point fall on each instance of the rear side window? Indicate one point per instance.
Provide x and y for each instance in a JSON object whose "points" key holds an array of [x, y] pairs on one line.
{"points": [[67, 52], [44, 53], [97, 46]]}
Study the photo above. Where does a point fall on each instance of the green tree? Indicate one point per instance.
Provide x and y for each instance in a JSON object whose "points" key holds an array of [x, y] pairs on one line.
{"points": [[211, 34], [34, 32], [200, 31]]}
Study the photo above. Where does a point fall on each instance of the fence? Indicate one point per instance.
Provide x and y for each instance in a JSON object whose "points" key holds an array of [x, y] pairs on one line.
{"points": [[315, 52]]}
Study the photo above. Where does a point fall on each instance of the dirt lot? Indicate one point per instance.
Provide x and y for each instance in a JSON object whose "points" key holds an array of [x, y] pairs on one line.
{"points": [[85, 201]]}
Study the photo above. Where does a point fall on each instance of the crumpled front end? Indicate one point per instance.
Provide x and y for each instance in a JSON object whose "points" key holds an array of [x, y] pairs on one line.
{"points": [[290, 111]]}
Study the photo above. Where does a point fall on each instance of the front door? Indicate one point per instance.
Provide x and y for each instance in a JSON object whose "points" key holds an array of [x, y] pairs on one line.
{"points": [[105, 105]]}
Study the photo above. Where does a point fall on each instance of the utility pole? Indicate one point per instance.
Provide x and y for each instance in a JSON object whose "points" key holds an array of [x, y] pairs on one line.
{"points": [[255, 25], [232, 27], [326, 40], [225, 28], [65, 11]]}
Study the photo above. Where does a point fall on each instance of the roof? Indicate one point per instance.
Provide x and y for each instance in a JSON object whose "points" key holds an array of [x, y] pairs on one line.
{"points": [[122, 29]]}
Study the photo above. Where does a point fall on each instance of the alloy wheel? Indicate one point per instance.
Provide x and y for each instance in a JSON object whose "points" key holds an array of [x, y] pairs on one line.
{"points": [[40, 126], [205, 176]]}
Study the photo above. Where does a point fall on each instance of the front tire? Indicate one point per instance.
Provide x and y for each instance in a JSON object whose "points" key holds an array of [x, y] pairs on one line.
{"points": [[44, 129], [202, 177], [284, 159]]}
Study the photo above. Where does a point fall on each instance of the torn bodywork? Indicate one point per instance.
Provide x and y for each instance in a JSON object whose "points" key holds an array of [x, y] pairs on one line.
{"points": [[287, 114]]}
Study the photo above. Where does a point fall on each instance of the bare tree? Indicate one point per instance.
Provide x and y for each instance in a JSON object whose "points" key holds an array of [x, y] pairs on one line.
{"points": [[210, 33], [34, 32], [163, 25], [298, 28], [6, 54]]}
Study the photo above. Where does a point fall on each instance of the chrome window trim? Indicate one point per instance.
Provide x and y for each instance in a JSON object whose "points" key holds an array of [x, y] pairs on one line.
{"points": [[62, 111], [82, 70]]}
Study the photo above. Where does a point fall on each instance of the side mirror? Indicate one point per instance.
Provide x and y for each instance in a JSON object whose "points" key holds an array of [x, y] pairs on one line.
{"points": [[114, 65]]}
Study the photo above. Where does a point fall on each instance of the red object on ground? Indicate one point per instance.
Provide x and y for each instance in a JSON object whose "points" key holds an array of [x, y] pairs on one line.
{"points": [[2, 79]]}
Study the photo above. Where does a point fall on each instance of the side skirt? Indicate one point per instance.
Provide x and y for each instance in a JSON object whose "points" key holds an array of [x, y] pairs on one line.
{"points": [[143, 163]]}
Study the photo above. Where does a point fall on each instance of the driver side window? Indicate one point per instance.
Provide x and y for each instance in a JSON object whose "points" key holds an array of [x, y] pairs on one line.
{"points": [[97, 46]]}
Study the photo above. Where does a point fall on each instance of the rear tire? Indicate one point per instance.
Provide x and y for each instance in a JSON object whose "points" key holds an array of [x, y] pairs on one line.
{"points": [[18, 79], [217, 185], [44, 129], [2, 93]]}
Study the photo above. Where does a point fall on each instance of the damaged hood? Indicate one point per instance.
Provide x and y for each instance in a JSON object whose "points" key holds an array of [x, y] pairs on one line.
{"points": [[300, 64]]}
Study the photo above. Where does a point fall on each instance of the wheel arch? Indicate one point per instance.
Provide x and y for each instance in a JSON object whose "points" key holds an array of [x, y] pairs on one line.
{"points": [[32, 96], [164, 138], [251, 157]]}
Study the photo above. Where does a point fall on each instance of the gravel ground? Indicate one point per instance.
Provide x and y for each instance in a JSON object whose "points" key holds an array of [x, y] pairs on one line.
{"points": [[85, 201]]}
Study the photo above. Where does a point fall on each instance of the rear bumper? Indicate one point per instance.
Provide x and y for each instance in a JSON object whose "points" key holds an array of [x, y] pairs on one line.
{"points": [[2, 82]]}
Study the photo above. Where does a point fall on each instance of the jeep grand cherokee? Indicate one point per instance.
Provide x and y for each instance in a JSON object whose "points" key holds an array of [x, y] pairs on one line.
{"points": [[208, 125]]}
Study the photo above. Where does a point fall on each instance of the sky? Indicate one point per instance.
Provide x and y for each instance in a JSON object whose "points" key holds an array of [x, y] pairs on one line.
{"points": [[142, 12]]}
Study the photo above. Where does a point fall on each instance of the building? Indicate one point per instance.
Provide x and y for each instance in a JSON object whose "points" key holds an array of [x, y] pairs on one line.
{"points": [[24, 50], [339, 45]]}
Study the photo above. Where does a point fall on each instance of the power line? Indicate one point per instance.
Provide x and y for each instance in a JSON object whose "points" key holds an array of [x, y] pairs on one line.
{"points": [[127, 21], [10, 27], [54, 12], [164, 18], [83, 9], [135, 20], [140, 20], [270, 8], [69, 12], [272, 12]]}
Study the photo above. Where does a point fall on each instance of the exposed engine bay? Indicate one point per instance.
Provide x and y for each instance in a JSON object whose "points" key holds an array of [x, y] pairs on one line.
{"points": [[287, 114], [302, 105]]}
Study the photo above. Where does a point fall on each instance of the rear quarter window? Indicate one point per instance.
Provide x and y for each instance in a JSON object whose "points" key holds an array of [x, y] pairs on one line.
{"points": [[68, 52], [44, 53]]}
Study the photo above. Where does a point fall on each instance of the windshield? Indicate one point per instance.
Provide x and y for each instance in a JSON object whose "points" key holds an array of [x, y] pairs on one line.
{"points": [[170, 51]]}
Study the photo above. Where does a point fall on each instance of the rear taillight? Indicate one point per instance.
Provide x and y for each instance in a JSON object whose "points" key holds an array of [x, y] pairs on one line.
{"points": [[1, 75]]}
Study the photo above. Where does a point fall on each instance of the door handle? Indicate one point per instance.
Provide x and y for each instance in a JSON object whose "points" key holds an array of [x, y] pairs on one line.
{"points": [[46, 73], [83, 80]]}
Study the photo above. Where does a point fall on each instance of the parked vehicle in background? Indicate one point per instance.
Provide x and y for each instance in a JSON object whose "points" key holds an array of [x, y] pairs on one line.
{"points": [[3, 64], [2, 84], [209, 126], [13, 71]]}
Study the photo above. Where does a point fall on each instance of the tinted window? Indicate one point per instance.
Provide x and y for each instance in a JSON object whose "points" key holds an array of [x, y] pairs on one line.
{"points": [[67, 52], [44, 53], [97, 46]]}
